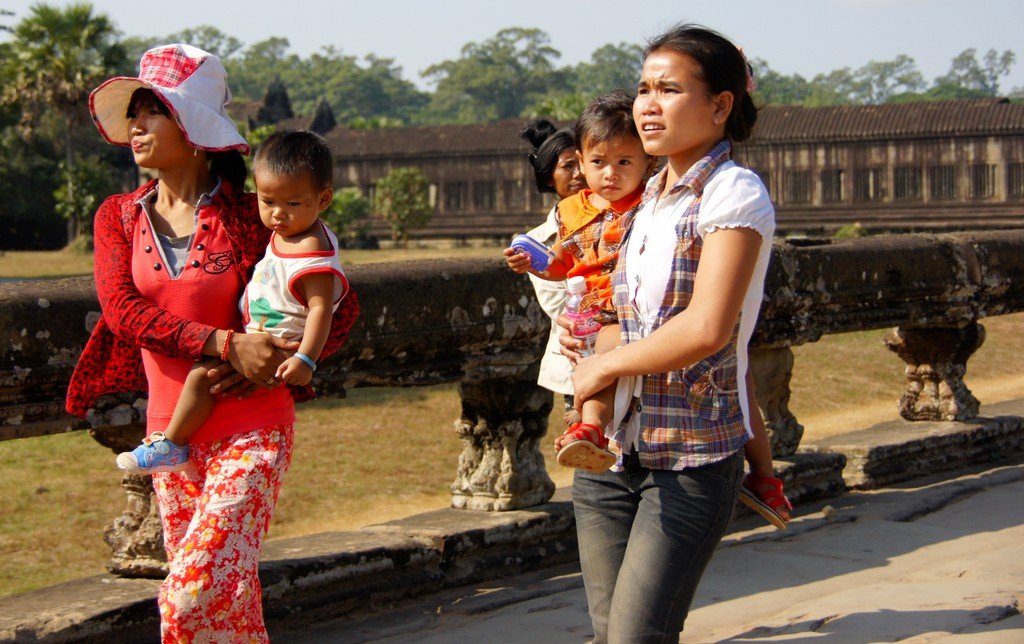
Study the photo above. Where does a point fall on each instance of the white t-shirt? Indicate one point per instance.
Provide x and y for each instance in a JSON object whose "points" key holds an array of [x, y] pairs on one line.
{"points": [[271, 302], [555, 369], [734, 197]]}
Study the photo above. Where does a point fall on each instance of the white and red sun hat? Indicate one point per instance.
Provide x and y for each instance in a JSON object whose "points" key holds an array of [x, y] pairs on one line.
{"points": [[192, 84]]}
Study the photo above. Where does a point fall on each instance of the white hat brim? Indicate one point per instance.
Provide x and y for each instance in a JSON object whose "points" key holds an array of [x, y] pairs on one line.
{"points": [[203, 127]]}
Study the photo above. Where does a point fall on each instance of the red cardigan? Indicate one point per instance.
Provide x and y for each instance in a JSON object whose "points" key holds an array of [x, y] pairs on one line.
{"points": [[111, 361]]}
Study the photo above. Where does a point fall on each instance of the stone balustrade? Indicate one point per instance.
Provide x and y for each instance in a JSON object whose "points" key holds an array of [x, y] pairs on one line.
{"points": [[476, 323]]}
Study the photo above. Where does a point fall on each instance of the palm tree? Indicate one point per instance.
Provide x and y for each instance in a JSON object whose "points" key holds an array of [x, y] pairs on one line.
{"points": [[6, 14], [56, 56]]}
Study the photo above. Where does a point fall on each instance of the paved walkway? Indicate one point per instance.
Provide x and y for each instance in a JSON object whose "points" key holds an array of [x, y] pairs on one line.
{"points": [[919, 563]]}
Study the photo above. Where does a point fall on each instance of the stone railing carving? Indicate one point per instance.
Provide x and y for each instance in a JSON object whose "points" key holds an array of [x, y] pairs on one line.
{"points": [[475, 322], [932, 288]]}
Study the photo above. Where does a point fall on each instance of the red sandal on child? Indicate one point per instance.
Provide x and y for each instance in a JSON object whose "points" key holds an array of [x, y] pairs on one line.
{"points": [[587, 449], [764, 495]]}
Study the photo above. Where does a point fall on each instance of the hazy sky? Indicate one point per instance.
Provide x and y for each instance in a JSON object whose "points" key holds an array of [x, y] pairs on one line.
{"points": [[794, 36]]}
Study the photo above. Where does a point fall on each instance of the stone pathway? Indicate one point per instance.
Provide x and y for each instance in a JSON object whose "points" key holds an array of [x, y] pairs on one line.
{"points": [[918, 563]]}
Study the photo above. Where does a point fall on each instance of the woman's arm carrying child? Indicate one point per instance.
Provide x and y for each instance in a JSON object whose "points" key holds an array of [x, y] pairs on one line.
{"points": [[293, 293]]}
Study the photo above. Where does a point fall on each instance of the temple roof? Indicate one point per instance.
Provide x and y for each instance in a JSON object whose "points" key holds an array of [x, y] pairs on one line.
{"points": [[969, 117], [776, 124], [499, 137]]}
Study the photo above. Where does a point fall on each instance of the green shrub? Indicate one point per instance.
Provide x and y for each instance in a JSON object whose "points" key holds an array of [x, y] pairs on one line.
{"points": [[850, 231], [81, 245]]}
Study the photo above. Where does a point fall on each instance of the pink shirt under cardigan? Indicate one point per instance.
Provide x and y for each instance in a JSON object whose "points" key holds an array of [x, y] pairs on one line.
{"points": [[205, 291]]}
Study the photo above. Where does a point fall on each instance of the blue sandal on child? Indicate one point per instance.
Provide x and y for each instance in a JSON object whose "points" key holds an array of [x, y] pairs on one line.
{"points": [[156, 454]]}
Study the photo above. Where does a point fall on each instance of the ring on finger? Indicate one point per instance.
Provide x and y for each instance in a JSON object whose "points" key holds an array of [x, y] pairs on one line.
{"points": [[270, 381]]}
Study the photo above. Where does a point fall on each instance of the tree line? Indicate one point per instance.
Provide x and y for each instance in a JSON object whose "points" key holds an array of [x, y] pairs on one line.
{"points": [[56, 168], [515, 73]]}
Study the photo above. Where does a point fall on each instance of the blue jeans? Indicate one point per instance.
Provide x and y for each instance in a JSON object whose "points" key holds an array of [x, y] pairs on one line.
{"points": [[645, 538]]}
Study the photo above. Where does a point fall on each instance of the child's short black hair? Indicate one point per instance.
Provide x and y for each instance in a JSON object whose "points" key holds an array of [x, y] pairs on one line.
{"points": [[296, 152], [609, 116]]}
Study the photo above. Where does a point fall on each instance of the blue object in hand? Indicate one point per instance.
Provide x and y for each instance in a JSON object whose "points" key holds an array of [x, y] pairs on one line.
{"points": [[540, 256]]}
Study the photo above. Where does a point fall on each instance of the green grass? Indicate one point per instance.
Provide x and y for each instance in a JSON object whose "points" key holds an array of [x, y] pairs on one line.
{"points": [[380, 454], [44, 264], [66, 263], [57, 493], [852, 380]]}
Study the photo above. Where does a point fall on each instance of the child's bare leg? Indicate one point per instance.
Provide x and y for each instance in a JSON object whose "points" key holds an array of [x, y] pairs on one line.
{"points": [[571, 416], [168, 451], [598, 410], [194, 405], [758, 450], [584, 444]]}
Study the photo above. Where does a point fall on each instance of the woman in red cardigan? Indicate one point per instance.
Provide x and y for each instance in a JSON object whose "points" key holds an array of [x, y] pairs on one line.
{"points": [[172, 259]]}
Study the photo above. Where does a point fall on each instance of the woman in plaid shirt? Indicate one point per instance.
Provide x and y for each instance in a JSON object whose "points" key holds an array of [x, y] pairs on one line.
{"points": [[687, 289]]}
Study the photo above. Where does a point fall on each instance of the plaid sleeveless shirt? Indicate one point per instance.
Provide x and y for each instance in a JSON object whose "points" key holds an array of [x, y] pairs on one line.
{"points": [[691, 416]]}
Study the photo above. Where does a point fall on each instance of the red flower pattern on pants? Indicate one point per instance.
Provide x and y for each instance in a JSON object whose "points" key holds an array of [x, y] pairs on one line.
{"points": [[215, 515]]}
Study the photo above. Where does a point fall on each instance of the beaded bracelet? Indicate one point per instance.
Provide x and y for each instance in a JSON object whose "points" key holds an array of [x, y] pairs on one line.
{"points": [[306, 359], [227, 345]]}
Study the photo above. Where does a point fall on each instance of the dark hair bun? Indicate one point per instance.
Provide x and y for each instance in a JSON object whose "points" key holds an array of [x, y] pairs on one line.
{"points": [[548, 143], [537, 131]]}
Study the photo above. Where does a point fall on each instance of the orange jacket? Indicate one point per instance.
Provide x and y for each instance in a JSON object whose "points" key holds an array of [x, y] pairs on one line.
{"points": [[590, 237]]}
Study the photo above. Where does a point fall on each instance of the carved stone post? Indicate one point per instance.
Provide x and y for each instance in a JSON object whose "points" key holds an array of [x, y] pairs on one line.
{"points": [[936, 363], [772, 369], [504, 417], [136, 537]]}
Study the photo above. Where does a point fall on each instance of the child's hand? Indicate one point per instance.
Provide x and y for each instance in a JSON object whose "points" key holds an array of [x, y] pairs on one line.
{"points": [[570, 344], [294, 372], [517, 261]]}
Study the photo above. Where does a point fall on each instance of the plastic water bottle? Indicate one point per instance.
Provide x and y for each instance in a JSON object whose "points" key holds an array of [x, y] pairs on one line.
{"points": [[584, 322]]}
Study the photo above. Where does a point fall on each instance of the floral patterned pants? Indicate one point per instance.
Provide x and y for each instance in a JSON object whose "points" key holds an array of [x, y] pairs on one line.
{"points": [[215, 515]]}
